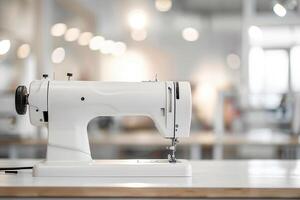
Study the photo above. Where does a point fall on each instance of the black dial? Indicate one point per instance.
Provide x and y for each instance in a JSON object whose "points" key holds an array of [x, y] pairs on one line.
{"points": [[21, 100]]}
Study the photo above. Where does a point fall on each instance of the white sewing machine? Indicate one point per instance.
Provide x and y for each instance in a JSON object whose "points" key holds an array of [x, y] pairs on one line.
{"points": [[66, 107]]}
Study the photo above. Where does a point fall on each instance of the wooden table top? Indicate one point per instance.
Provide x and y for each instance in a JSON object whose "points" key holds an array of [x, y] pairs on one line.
{"points": [[213, 179]]}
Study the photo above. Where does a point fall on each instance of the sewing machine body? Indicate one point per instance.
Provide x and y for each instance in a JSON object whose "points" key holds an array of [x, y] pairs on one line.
{"points": [[66, 107]]}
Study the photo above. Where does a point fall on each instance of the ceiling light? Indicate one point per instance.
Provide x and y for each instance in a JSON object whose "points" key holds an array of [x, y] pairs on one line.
{"points": [[72, 34], [58, 55], [23, 51], [58, 29], [84, 38], [95, 42], [279, 10], [190, 34], [4, 46], [139, 35], [137, 19], [163, 5]]}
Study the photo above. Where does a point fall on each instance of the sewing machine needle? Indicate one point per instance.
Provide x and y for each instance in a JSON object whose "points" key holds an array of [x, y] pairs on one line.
{"points": [[172, 148]]}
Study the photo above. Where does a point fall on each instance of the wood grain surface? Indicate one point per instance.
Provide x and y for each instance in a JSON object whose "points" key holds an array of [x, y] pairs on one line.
{"points": [[149, 192]]}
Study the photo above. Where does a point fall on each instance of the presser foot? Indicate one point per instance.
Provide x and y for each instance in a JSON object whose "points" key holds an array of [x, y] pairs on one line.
{"points": [[172, 150]]}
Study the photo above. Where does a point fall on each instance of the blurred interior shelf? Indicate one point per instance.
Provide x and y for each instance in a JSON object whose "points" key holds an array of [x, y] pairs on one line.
{"points": [[275, 145], [151, 138]]}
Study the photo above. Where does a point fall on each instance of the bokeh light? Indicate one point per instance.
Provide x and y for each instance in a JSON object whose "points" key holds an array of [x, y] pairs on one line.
{"points": [[137, 19], [58, 55], [58, 29], [190, 34], [119, 48], [139, 35], [84, 38], [72, 34], [23, 51], [163, 5], [279, 10], [4, 46], [96, 42]]}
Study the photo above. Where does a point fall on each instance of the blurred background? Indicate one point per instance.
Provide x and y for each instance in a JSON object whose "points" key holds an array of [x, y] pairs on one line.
{"points": [[242, 58]]}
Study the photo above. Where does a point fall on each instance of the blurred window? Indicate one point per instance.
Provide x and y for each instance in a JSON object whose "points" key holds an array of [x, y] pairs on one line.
{"points": [[268, 70], [295, 68], [276, 71], [268, 76]]}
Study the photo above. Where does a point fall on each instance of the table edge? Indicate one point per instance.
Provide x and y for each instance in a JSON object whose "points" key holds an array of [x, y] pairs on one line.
{"points": [[20, 191]]}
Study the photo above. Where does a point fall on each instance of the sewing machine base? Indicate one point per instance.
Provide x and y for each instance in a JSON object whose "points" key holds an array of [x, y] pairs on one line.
{"points": [[114, 168]]}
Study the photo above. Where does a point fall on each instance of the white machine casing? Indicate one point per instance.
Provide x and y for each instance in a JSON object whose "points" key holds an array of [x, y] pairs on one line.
{"points": [[66, 108]]}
